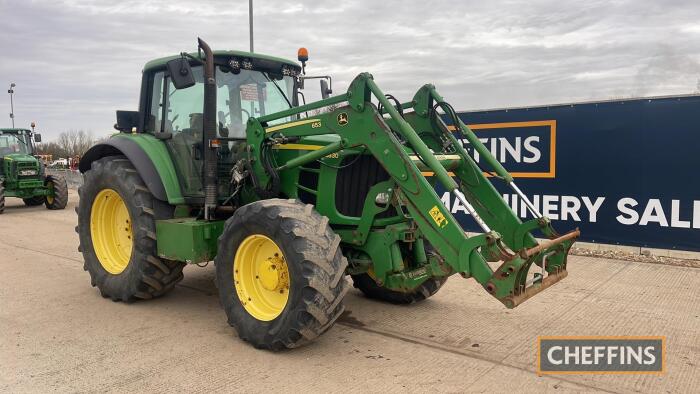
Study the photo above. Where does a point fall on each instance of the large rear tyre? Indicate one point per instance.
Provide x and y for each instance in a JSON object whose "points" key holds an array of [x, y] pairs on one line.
{"points": [[116, 225], [280, 273], [58, 199], [2, 198], [33, 201], [366, 284]]}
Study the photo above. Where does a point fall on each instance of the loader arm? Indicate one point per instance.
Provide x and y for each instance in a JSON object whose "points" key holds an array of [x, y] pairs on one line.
{"points": [[407, 145]]}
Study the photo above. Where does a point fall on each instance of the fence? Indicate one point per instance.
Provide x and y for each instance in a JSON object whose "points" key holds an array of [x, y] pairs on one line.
{"points": [[73, 177], [625, 172]]}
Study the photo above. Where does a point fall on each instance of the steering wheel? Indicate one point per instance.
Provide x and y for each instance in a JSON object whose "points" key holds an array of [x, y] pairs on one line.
{"points": [[247, 113]]}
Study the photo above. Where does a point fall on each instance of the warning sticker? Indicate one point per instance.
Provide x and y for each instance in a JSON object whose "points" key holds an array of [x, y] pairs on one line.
{"points": [[249, 92], [437, 216]]}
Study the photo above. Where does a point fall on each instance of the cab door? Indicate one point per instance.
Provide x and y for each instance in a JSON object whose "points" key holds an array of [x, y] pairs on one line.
{"points": [[179, 112]]}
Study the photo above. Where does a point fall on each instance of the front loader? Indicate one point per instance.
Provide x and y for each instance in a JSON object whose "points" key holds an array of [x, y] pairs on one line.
{"points": [[222, 162]]}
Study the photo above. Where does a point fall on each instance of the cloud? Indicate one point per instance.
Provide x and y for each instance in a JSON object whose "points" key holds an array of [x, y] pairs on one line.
{"points": [[76, 61]]}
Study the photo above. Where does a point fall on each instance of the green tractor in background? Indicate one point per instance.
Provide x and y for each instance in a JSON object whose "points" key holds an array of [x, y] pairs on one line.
{"points": [[222, 162], [22, 175]]}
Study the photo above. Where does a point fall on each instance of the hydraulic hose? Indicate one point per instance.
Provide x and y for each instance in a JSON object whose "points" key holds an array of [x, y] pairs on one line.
{"points": [[274, 189]]}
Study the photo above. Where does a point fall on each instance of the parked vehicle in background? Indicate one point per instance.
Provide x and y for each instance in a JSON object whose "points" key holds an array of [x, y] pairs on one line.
{"points": [[22, 175], [45, 159], [59, 163]]}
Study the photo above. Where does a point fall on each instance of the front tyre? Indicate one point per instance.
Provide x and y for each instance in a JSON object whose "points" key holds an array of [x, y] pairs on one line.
{"points": [[58, 192], [2, 198], [366, 284], [117, 230], [280, 273], [33, 201]]}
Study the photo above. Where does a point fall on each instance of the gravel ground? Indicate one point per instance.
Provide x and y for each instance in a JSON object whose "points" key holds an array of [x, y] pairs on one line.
{"points": [[627, 256], [60, 335]]}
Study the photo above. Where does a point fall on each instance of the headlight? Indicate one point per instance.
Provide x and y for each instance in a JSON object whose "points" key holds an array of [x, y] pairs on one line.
{"points": [[27, 172]]}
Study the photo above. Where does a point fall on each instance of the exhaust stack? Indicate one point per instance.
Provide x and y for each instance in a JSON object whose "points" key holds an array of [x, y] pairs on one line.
{"points": [[209, 125]]}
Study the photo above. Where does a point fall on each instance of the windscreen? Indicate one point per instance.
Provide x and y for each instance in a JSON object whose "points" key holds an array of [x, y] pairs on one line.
{"points": [[239, 96], [14, 143], [250, 94]]}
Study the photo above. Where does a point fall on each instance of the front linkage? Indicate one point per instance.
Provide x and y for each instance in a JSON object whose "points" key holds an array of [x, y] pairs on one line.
{"points": [[406, 155]]}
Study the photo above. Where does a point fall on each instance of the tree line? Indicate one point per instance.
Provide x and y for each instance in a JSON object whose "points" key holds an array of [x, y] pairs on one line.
{"points": [[69, 143]]}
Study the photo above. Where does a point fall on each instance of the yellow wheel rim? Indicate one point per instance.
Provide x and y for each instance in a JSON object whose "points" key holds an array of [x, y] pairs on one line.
{"points": [[261, 276], [111, 231], [49, 197]]}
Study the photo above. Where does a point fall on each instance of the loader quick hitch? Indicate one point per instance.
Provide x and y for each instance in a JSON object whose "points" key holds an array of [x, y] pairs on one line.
{"points": [[510, 283]]}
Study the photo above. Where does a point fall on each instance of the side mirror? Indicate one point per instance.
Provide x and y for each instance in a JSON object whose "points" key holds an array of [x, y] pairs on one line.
{"points": [[325, 90], [37, 137], [127, 121], [180, 73]]}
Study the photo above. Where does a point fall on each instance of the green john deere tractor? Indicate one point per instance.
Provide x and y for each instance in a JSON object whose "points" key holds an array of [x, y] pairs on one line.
{"points": [[221, 162], [22, 175]]}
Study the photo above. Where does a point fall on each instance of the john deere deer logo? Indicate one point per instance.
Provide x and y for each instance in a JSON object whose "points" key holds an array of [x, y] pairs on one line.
{"points": [[342, 118]]}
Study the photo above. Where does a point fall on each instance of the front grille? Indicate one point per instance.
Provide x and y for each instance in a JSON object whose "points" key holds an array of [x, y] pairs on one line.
{"points": [[355, 177], [21, 166]]}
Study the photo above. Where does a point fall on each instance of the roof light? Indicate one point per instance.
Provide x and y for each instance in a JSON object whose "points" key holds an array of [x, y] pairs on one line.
{"points": [[303, 54]]}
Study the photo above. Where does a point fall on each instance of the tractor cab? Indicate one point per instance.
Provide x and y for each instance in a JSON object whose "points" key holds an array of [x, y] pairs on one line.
{"points": [[247, 85], [16, 142]]}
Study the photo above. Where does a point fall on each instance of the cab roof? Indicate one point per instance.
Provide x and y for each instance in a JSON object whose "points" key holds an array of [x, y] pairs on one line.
{"points": [[160, 62], [14, 131]]}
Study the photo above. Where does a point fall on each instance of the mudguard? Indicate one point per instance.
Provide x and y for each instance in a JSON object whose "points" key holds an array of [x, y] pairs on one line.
{"points": [[149, 156]]}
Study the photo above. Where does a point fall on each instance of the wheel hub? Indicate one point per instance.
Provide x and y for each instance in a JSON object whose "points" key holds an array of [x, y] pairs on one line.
{"points": [[50, 197], [271, 276], [111, 231], [261, 277]]}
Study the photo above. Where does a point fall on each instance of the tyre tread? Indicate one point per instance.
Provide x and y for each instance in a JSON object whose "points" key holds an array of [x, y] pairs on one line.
{"points": [[371, 289], [60, 187], [323, 267], [155, 276]]}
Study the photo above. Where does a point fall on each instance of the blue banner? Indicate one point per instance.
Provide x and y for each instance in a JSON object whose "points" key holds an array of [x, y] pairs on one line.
{"points": [[625, 172]]}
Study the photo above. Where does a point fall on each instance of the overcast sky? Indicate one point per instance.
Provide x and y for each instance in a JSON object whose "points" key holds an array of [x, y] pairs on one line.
{"points": [[75, 62]]}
